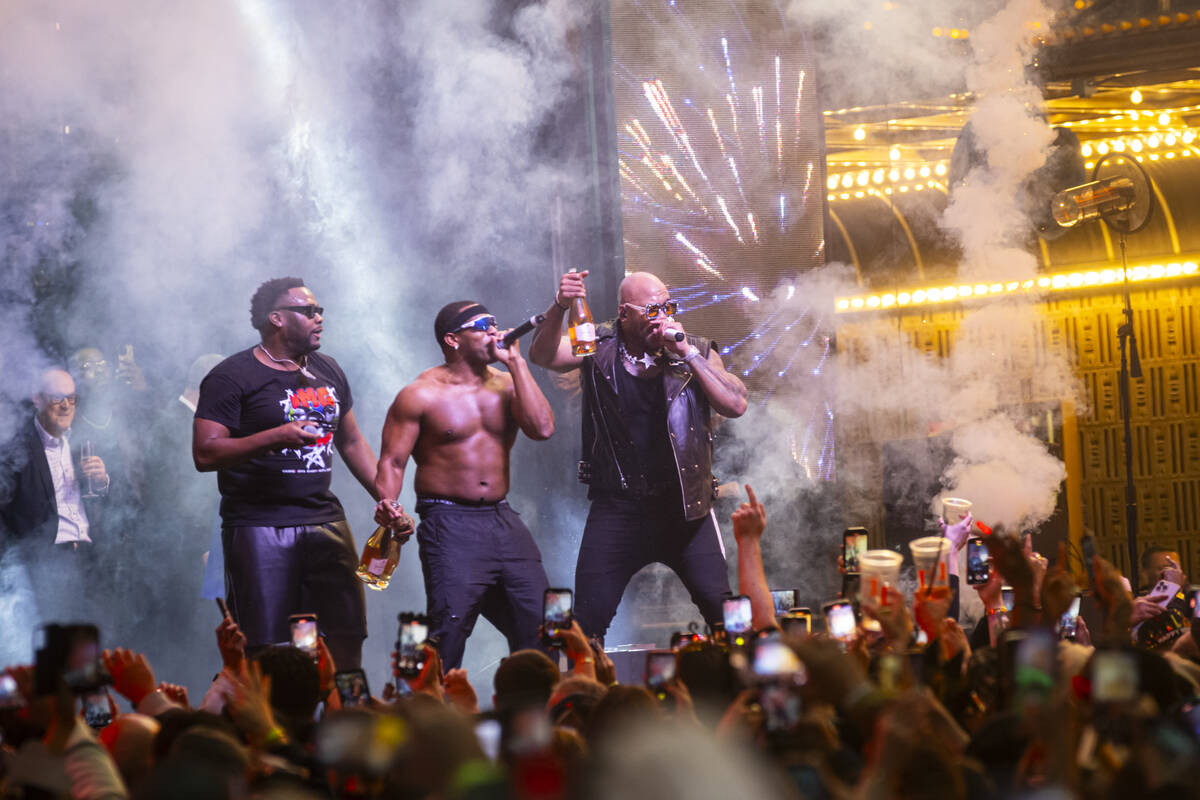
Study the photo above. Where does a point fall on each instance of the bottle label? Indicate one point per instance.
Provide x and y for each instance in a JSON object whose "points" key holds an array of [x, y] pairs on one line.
{"points": [[377, 566], [585, 332]]}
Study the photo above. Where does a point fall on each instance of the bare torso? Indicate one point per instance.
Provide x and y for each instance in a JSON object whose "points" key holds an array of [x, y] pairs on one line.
{"points": [[466, 433]]}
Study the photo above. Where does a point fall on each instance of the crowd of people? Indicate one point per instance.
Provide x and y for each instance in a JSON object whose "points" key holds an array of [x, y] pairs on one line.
{"points": [[886, 696], [793, 713]]}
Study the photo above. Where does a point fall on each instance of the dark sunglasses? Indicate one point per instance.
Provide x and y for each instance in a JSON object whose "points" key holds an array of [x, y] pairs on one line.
{"points": [[308, 311], [59, 399], [481, 324], [653, 310]]}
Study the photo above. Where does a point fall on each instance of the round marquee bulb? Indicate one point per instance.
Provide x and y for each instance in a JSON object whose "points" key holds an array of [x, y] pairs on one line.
{"points": [[847, 180], [1086, 150], [1136, 145], [894, 154], [864, 178], [1164, 118], [832, 182], [1102, 148], [860, 133], [1135, 96], [940, 169], [1119, 146], [909, 174], [925, 171], [1189, 137], [1153, 140]]}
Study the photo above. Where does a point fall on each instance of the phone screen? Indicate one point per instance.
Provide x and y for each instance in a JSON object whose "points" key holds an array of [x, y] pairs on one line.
{"points": [[797, 620], [1069, 622], [304, 632], [784, 599], [1193, 601], [660, 669], [410, 656], [556, 608], [737, 614], [96, 711], [10, 695], [1114, 676], [774, 658], [839, 620], [978, 563], [1006, 597], [83, 669], [1034, 665], [352, 687], [854, 544], [782, 707]]}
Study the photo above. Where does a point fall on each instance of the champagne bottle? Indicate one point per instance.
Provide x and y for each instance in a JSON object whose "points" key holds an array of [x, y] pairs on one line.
{"points": [[381, 554], [581, 329]]}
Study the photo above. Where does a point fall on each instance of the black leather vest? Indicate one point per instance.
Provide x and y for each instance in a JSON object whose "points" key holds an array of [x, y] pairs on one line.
{"points": [[609, 462]]}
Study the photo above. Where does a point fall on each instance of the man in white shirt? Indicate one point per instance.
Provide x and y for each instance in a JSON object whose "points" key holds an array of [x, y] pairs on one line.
{"points": [[49, 497]]}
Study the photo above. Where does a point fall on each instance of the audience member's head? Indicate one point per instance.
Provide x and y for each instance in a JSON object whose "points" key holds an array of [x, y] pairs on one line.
{"points": [[90, 369], [1154, 560], [525, 678], [295, 686], [199, 368], [620, 708], [54, 401], [573, 700], [130, 742]]}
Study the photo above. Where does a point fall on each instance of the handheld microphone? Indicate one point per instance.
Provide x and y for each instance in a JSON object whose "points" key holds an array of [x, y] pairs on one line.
{"points": [[672, 333], [522, 329]]}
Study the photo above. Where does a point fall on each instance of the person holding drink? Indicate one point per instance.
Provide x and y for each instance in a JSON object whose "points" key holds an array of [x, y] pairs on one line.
{"points": [[458, 421], [649, 390]]}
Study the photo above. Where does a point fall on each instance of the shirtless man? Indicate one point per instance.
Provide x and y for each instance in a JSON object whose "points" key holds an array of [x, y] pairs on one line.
{"points": [[458, 421]]}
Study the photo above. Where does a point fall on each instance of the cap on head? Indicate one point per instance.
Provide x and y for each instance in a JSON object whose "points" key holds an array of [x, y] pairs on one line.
{"points": [[454, 315]]}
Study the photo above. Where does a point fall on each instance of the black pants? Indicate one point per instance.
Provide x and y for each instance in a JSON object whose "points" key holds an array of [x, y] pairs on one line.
{"points": [[479, 560], [624, 534], [272, 573]]}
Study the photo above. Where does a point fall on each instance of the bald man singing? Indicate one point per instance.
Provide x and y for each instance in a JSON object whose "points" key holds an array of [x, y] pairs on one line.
{"points": [[647, 447]]}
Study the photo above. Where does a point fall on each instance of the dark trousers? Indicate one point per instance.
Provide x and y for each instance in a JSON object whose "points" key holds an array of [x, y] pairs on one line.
{"points": [[624, 534], [272, 573], [479, 560]]}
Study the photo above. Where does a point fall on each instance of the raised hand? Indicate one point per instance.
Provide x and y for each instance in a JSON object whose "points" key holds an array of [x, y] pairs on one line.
{"points": [[570, 285], [459, 691], [232, 644], [131, 674], [750, 519]]}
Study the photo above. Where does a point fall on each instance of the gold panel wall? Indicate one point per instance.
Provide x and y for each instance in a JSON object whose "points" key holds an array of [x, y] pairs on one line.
{"points": [[1166, 408]]}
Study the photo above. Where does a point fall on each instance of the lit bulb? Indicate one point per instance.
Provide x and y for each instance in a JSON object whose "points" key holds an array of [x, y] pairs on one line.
{"points": [[1169, 140], [1086, 150], [894, 175], [847, 180], [1153, 140], [1136, 145], [940, 169], [832, 183], [859, 133], [894, 154], [1164, 118], [863, 178], [925, 172], [909, 174], [1135, 96], [1189, 137], [1102, 148], [1119, 146], [878, 176]]}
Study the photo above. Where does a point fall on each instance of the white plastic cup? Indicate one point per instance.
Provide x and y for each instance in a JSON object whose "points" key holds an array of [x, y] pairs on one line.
{"points": [[954, 509], [879, 568], [929, 553]]}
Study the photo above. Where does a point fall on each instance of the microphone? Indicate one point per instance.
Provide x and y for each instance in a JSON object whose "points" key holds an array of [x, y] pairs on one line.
{"points": [[522, 329], [672, 333], [1091, 200]]}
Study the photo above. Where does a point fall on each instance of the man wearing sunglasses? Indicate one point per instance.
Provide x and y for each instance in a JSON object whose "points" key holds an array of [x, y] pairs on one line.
{"points": [[54, 503], [267, 421], [647, 446], [459, 421]]}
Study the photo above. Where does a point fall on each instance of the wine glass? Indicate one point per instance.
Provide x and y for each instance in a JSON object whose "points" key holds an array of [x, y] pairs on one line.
{"points": [[84, 454]]}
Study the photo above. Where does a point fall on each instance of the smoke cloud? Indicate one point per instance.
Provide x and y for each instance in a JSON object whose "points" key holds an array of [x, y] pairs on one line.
{"points": [[162, 161]]}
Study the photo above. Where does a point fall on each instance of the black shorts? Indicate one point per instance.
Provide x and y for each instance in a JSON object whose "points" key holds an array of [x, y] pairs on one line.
{"points": [[272, 573]]}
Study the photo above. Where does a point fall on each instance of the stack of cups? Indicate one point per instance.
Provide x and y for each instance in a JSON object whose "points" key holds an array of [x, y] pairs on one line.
{"points": [[879, 568]]}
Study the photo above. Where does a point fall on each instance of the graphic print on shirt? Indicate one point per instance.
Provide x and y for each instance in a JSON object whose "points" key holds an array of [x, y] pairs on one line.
{"points": [[319, 406]]}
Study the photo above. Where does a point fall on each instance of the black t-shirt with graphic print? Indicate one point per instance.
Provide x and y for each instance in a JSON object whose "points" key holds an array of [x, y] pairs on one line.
{"points": [[287, 487]]}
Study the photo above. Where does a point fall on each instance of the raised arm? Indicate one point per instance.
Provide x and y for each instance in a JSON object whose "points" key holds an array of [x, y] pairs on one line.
{"points": [[356, 452], [400, 432], [214, 448], [725, 391], [550, 348], [749, 522], [530, 408]]}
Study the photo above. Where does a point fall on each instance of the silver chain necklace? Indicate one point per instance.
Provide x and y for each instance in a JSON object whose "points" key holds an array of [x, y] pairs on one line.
{"points": [[303, 369], [648, 361]]}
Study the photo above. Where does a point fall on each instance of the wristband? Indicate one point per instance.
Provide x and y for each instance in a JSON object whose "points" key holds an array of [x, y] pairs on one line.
{"points": [[997, 610], [695, 351]]}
